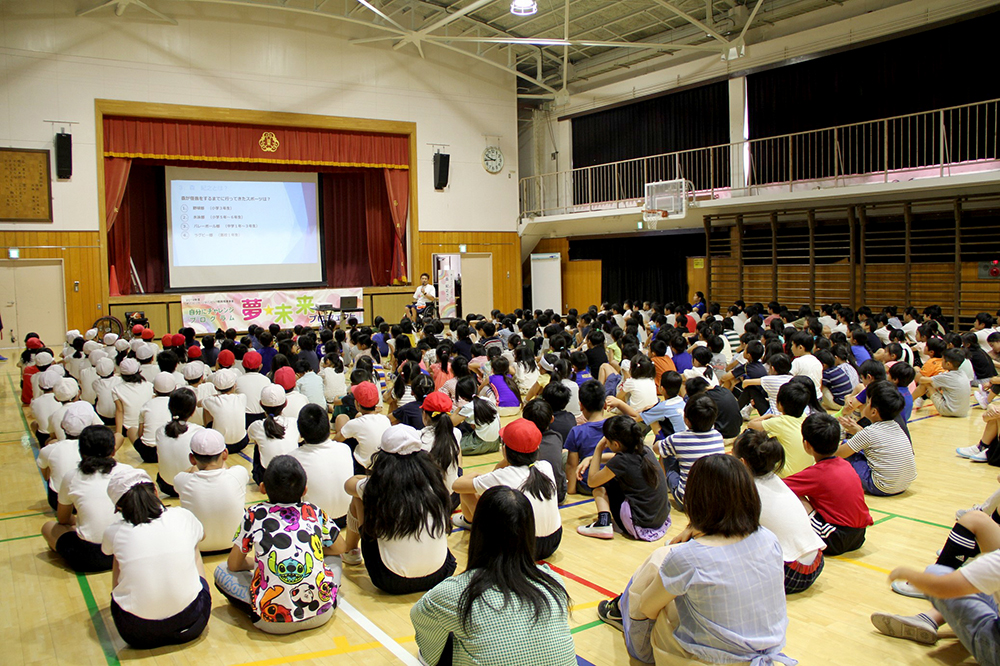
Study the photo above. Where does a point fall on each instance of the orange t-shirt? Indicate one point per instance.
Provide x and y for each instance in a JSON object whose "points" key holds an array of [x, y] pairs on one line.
{"points": [[663, 364], [932, 367]]}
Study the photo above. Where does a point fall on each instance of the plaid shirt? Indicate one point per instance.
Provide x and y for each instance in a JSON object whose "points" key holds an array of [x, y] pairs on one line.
{"points": [[500, 635]]}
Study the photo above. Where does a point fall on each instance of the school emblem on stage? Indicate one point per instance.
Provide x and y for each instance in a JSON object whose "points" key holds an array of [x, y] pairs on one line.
{"points": [[268, 142]]}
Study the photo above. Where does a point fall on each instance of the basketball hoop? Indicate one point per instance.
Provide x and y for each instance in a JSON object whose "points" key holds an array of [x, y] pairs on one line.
{"points": [[665, 200]]}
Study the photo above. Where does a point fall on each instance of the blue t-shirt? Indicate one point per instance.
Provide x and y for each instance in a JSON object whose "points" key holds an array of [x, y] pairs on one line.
{"points": [[583, 439], [383, 346], [860, 354], [582, 376], [682, 362], [668, 413]]}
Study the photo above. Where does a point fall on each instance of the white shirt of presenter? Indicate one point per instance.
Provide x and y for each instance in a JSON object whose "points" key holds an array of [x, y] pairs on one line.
{"points": [[424, 293]]}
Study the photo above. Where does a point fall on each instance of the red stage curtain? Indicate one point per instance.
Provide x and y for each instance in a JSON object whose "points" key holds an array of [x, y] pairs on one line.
{"points": [[164, 139], [345, 225], [381, 235], [116, 171], [397, 183], [142, 210]]}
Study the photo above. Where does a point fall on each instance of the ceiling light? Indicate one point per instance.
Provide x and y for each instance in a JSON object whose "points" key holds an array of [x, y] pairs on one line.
{"points": [[523, 7]]}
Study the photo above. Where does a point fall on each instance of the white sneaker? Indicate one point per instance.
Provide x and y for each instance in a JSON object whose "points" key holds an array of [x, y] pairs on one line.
{"points": [[908, 627], [970, 452], [746, 412], [596, 531], [352, 557], [907, 589], [983, 398], [981, 457], [459, 521], [918, 403]]}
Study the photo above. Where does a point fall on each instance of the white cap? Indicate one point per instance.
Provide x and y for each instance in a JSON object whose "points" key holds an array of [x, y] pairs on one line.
{"points": [[224, 379], [129, 366], [90, 346], [72, 335], [78, 416], [121, 345], [90, 334], [43, 358], [49, 378], [143, 351], [135, 343], [272, 396], [96, 356], [208, 442], [194, 370], [105, 367], [164, 383], [545, 365], [123, 479], [66, 389], [110, 338], [401, 439]]}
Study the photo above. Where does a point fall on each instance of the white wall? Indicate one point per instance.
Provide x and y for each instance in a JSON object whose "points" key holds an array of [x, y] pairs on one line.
{"points": [[53, 65]]}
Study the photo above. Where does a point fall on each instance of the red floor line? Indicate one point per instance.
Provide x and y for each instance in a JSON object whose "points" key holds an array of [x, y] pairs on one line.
{"points": [[582, 581]]}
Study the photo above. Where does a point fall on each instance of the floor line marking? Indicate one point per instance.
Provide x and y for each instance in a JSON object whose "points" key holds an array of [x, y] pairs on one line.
{"points": [[246, 457], [859, 563], [580, 661], [883, 519], [291, 659], [566, 506], [387, 641], [98, 621], [19, 538], [14, 515], [583, 581], [584, 627]]}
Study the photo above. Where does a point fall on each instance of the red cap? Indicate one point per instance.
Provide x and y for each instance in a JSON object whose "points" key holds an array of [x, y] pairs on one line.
{"points": [[252, 360], [167, 341], [365, 394], [226, 359], [522, 436], [437, 403], [147, 334], [34, 343], [178, 340], [284, 377], [138, 329], [194, 352]]}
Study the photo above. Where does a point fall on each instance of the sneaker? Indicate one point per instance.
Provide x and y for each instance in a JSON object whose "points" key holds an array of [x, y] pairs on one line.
{"points": [[459, 521], [970, 451], [918, 403], [980, 457], [596, 531], [610, 613], [352, 557], [747, 412], [908, 627], [907, 589], [983, 398]]}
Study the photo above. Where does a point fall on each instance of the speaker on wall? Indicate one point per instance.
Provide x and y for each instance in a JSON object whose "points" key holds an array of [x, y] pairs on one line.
{"points": [[64, 155], [441, 162]]}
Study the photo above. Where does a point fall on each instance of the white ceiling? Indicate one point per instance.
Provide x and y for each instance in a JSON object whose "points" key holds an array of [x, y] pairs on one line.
{"points": [[568, 45]]}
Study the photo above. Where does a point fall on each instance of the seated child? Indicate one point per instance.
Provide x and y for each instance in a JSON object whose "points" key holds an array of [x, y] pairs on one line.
{"points": [[294, 401], [480, 416], [502, 386], [276, 435], [779, 373], [829, 489], [902, 374], [154, 415], [363, 433], [629, 487], [880, 453], [295, 572], [581, 368], [159, 595], [836, 382], [44, 405], [933, 365], [786, 427], [680, 451], [327, 463], [408, 413], [583, 438], [551, 449], [558, 397], [62, 457], [948, 390], [665, 417], [701, 359], [226, 411], [639, 388], [213, 492]]}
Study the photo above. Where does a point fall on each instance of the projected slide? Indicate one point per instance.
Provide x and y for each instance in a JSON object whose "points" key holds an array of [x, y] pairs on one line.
{"points": [[231, 228]]}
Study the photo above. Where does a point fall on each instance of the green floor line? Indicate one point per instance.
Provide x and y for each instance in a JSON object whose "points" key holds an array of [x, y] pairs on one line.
{"points": [[26, 515], [480, 465], [95, 617], [20, 538], [883, 519], [584, 627]]}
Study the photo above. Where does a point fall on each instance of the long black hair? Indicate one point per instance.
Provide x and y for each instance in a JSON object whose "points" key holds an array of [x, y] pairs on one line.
{"points": [[182, 404], [501, 366], [524, 358], [501, 557], [537, 484], [762, 454], [626, 433], [97, 450], [405, 496], [445, 450], [140, 504], [483, 410], [443, 353], [405, 374]]}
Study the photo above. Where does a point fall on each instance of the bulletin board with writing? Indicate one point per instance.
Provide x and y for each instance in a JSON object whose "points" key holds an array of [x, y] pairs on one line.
{"points": [[25, 185]]}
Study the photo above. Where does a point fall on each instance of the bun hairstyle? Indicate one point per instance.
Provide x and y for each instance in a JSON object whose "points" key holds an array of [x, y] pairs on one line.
{"points": [[762, 454], [628, 435]]}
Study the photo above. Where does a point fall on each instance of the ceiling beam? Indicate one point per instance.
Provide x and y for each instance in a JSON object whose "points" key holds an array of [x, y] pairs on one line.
{"points": [[529, 79], [302, 10], [753, 15], [380, 13], [565, 64], [440, 23], [542, 41], [690, 19]]}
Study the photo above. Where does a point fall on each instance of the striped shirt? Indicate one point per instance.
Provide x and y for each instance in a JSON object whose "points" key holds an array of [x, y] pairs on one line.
{"points": [[889, 454], [734, 339], [687, 447], [839, 383], [771, 385]]}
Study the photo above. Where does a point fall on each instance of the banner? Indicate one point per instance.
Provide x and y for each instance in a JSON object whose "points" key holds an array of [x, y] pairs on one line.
{"points": [[447, 303], [207, 312]]}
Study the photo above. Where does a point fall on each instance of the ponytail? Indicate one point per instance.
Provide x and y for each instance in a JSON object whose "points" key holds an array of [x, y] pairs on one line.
{"points": [[445, 450], [626, 432], [483, 411], [443, 354], [272, 428], [537, 485], [182, 404], [403, 379]]}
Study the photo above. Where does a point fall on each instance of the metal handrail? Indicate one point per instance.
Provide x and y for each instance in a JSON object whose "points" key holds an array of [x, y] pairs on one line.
{"points": [[955, 139]]}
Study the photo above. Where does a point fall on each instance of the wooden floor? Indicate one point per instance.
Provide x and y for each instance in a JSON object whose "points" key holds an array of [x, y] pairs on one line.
{"points": [[57, 616]]}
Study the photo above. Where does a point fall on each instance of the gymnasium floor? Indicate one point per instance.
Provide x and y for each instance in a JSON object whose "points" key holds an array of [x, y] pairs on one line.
{"points": [[59, 617]]}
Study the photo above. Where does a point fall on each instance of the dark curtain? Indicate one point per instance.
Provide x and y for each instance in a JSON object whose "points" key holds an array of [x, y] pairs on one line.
{"points": [[344, 214], [652, 268], [928, 70], [143, 208]]}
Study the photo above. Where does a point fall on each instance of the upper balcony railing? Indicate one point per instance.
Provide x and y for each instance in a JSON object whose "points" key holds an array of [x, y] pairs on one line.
{"points": [[932, 144]]}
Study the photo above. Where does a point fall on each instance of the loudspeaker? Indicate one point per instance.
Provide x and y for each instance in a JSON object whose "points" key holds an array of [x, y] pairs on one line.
{"points": [[64, 155], [441, 162]]}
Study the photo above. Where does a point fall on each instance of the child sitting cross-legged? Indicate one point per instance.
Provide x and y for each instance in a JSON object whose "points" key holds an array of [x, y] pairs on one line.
{"points": [[291, 548], [948, 390], [786, 426], [880, 453], [830, 490], [680, 451]]}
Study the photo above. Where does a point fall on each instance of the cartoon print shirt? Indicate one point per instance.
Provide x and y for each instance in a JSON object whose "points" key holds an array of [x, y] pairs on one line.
{"points": [[290, 582]]}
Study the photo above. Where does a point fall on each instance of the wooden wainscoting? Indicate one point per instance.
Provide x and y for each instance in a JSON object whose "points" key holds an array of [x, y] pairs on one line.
{"points": [[81, 255], [504, 246]]}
